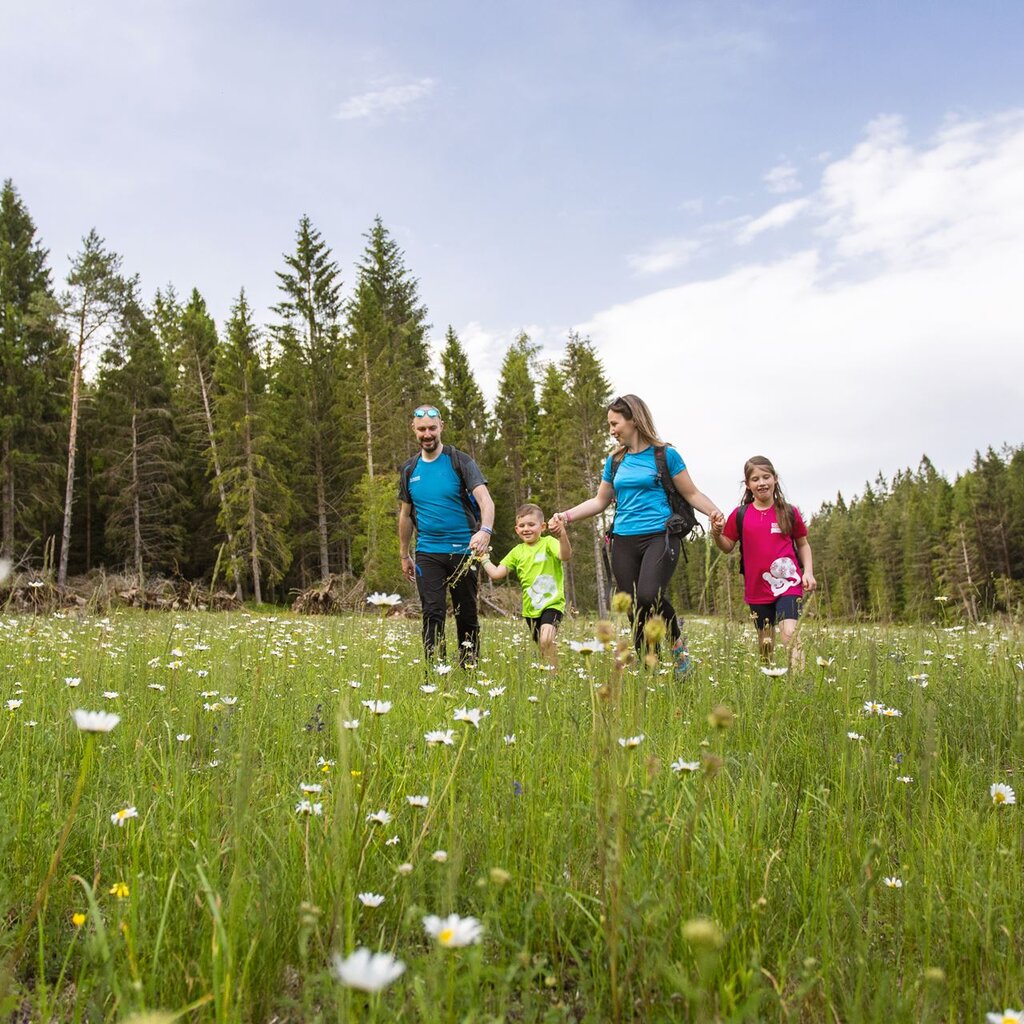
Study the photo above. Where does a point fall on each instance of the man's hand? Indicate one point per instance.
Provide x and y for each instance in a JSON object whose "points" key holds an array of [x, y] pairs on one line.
{"points": [[409, 568], [480, 542]]}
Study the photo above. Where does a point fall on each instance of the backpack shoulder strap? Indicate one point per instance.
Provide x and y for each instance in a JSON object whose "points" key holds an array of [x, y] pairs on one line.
{"points": [[661, 464], [740, 513]]}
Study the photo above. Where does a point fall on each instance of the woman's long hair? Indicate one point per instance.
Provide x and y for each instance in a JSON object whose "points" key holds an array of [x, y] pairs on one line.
{"points": [[635, 409], [783, 509]]}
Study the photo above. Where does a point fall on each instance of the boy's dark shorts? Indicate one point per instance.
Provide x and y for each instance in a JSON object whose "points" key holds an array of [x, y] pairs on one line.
{"points": [[548, 617], [766, 615]]}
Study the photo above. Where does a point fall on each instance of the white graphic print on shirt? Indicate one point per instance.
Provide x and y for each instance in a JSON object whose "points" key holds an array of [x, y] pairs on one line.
{"points": [[782, 575]]}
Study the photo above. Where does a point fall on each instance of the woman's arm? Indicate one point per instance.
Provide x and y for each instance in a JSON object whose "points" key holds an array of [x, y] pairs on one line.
{"points": [[700, 501], [585, 509]]}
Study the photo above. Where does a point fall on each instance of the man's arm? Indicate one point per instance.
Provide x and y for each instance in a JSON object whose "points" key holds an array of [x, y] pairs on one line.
{"points": [[405, 539], [481, 540]]}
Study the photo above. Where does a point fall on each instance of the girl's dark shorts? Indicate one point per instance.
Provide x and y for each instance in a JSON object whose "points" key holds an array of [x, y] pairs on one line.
{"points": [[548, 617], [766, 615]]}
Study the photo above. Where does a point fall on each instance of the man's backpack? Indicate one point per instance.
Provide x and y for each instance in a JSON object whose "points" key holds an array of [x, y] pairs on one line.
{"points": [[740, 513], [683, 520], [458, 461]]}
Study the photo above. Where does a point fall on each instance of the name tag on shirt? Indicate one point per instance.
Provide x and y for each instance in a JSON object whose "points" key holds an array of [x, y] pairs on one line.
{"points": [[775, 528]]}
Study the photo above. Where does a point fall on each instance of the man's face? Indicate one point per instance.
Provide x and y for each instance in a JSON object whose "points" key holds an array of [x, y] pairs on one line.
{"points": [[428, 432]]}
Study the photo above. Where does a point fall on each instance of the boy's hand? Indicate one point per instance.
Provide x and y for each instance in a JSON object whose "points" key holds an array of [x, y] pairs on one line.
{"points": [[556, 526]]}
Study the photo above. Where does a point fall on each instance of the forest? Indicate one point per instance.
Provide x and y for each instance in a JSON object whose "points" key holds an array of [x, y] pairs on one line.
{"points": [[138, 436]]}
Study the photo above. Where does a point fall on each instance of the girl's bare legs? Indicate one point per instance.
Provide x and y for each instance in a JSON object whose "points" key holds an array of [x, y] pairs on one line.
{"points": [[766, 643], [791, 641]]}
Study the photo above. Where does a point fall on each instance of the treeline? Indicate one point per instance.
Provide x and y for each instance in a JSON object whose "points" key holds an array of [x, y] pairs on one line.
{"points": [[259, 457], [263, 457], [916, 548]]}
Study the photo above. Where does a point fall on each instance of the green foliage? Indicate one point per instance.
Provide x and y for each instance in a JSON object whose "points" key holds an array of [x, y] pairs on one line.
{"points": [[375, 547], [640, 852], [466, 422], [139, 451], [255, 506], [34, 365]]}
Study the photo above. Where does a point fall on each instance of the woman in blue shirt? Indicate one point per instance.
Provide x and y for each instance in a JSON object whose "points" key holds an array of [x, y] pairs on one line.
{"points": [[643, 554]]}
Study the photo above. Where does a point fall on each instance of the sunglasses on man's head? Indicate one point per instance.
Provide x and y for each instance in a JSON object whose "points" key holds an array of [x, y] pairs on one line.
{"points": [[426, 410]]}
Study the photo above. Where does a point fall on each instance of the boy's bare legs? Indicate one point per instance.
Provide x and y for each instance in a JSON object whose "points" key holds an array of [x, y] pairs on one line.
{"points": [[766, 643], [546, 641]]}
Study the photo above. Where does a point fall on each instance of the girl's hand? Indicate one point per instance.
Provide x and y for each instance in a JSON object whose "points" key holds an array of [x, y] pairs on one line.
{"points": [[717, 524], [810, 583]]}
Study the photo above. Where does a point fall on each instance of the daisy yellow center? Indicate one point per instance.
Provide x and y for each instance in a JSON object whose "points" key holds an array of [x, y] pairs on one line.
{"points": [[122, 815], [1000, 798], [446, 936]]}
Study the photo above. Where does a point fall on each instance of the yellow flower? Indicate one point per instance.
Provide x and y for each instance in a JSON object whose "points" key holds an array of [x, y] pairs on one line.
{"points": [[120, 890], [621, 603], [78, 919]]}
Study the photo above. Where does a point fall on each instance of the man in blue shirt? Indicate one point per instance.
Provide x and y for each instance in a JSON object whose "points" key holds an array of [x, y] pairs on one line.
{"points": [[444, 497]]}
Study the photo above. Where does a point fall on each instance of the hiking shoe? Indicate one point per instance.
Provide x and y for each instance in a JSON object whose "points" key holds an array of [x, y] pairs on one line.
{"points": [[681, 659]]}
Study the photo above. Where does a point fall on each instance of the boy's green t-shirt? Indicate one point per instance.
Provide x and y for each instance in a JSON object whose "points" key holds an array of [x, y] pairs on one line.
{"points": [[539, 570]]}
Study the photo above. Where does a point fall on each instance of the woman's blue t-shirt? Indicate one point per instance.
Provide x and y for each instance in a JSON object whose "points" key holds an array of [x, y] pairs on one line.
{"points": [[641, 505]]}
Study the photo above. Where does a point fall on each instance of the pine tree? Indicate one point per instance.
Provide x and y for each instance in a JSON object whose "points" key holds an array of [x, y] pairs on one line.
{"points": [[587, 394], [34, 362], [96, 292], [466, 420], [192, 336], [254, 504], [387, 351], [140, 477], [513, 470], [307, 385]]}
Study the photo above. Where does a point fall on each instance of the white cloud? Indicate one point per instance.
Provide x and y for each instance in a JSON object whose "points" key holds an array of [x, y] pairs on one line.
{"points": [[895, 331], [385, 100], [778, 216], [782, 178], [669, 254]]}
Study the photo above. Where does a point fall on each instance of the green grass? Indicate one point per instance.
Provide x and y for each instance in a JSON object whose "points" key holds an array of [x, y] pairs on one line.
{"points": [[781, 839]]}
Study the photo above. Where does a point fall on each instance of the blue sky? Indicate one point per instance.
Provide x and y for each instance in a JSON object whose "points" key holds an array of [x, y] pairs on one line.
{"points": [[794, 228]]}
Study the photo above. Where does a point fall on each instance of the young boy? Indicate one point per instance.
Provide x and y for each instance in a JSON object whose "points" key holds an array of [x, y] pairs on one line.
{"points": [[537, 563]]}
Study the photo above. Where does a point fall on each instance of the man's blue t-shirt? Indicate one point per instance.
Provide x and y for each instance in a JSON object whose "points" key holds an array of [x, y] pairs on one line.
{"points": [[641, 505], [435, 492]]}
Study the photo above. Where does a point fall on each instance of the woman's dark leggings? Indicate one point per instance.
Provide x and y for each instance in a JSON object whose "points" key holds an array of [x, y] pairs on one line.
{"points": [[642, 566]]}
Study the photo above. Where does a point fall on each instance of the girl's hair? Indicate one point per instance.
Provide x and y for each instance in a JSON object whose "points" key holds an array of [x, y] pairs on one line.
{"points": [[635, 409], [529, 509], [783, 509]]}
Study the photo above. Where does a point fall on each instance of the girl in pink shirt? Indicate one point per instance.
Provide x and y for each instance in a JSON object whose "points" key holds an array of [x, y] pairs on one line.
{"points": [[775, 556]]}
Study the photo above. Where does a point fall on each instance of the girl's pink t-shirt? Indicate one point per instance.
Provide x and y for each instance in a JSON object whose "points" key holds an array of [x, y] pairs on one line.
{"points": [[770, 567]]}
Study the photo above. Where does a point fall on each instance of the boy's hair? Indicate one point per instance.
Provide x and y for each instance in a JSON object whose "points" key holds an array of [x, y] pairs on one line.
{"points": [[530, 509], [783, 509]]}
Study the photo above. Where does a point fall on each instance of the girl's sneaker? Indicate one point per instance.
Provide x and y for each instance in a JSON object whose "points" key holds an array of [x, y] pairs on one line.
{"points": [[681, 659]]}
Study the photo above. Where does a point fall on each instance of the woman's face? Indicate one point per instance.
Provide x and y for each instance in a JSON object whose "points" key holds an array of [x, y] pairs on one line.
{"points": [[623, 430]]}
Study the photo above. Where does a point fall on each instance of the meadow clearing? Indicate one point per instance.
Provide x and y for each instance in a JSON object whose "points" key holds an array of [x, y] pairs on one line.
{"points": [[824, 845]]}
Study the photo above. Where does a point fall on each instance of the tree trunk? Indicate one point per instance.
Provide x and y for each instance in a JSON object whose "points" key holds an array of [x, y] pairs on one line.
{"points": [[216, 470], [7, 473], [136, 509], [254, 548], [69, 489], [321, 510]]}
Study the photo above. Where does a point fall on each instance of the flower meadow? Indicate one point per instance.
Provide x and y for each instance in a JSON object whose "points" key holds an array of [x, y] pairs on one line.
{"points": [[247, 817]]}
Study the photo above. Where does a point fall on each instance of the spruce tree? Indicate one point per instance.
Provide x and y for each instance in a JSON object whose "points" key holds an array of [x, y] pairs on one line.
{"points": [[466, 420], [34, 363], [516, 424], [95, 295], [254, 503], [140, 476], [307, 388]]}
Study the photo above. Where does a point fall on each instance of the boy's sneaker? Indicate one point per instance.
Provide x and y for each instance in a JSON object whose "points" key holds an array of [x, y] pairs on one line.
{"points": [[681, 659]]}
